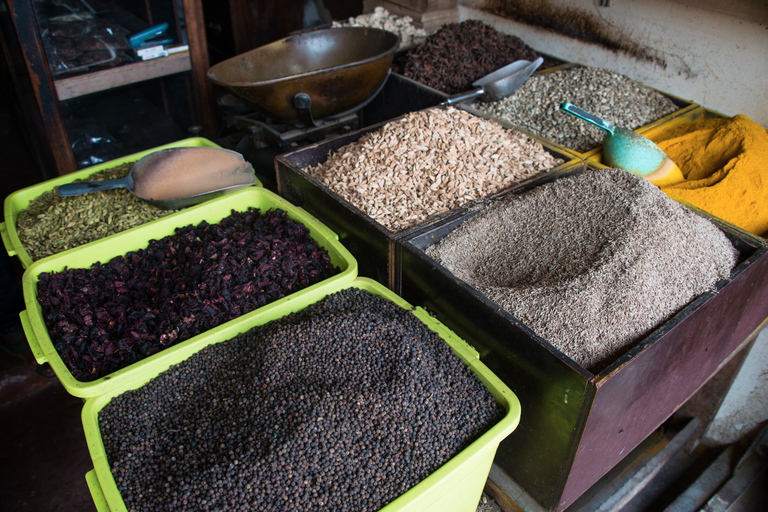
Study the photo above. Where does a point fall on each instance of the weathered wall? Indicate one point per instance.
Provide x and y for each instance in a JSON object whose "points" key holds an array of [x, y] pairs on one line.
{"points": [[711, 52]]}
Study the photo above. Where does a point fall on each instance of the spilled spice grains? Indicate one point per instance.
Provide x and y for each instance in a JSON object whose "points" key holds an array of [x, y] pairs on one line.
{"points": [[344, 405], [51, 224], [106, 317], [590, 262], [430, 162], [609, 95]]}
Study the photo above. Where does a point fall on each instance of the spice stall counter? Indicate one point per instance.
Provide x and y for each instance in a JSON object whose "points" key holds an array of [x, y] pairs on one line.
{"points": [[582, 422]]}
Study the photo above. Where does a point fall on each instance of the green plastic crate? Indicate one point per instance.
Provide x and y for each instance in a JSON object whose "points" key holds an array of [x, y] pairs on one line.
{"points": [[455, 487], [138, 238], [19, 200]]}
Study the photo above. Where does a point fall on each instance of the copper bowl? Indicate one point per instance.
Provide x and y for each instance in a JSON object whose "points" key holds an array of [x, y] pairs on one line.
{"points": [[338, 69]]}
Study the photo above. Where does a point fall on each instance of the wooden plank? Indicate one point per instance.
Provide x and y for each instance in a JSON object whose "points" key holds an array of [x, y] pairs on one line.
{"points": [[706, 484], [56, 136], [426, 5], [206, 113], [103, 80], [750, 469], [507, 494]]}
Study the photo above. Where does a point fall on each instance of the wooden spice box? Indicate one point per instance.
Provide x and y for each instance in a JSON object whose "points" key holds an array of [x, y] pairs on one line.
{"points": [[371, 243], [576, 425]]}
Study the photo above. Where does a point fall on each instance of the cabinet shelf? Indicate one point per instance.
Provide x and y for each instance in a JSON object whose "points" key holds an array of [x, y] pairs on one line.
{"points": [[186, 98], [73, 87]]}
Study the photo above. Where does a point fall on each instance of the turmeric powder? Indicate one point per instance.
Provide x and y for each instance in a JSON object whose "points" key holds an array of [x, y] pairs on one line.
{"points": [[725, 165]]}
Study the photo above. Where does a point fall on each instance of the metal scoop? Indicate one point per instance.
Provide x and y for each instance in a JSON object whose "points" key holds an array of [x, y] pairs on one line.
{"points": [[501, 83], [177, 177]]}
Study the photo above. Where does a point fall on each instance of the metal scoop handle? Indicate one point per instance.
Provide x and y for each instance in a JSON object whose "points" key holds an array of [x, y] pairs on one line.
{"points": [[79, 188], [464, 96], [501, 83], [586, 116]]}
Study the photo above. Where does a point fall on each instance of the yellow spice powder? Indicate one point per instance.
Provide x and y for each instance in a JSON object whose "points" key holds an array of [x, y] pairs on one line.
{"points": [[725, 164]]}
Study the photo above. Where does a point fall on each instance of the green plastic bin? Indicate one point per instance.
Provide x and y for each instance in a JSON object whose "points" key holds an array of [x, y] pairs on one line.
{"points": [[19, 200], [455, 487], [138, 238]]}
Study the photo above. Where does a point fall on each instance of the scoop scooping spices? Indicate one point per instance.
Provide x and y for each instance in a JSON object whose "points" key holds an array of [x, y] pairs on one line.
{"points": [[631, 151], [177, 177], [501, 83]]}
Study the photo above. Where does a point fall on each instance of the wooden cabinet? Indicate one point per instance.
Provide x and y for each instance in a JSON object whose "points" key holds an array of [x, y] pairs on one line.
{"points": [[53, 100]]}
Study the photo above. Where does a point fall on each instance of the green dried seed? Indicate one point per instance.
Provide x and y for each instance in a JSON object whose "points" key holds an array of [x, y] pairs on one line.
{"points": [[52, 224]]}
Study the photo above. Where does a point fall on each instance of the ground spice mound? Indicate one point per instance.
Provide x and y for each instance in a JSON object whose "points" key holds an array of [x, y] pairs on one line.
{"points": [[458, 54], [430, 162], [590, 262], [342, 406], [106, 317], [725, 164]]}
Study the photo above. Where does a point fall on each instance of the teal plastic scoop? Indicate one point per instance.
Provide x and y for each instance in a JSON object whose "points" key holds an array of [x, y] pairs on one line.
{"points": [[631, 151]]}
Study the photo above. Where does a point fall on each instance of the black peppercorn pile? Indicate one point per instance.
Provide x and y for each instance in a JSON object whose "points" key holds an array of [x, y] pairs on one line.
{"points": [[342, 406], [458, 54], [108, 316]]}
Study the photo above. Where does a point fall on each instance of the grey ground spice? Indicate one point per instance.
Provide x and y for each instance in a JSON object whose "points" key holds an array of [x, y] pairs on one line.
{"points": [[430, 162], [607, 94], [590, 262], [342, 406], [52, 224]]}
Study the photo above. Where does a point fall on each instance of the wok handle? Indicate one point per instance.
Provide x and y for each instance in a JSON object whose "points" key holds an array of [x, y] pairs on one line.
{"points": [[464, 96], [79, 188]]}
